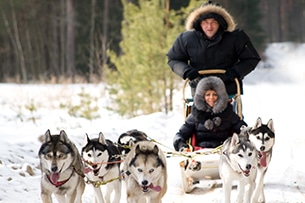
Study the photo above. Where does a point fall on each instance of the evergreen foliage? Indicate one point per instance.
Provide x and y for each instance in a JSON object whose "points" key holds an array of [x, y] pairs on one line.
{"points": [[247, 15], [143, 81]]}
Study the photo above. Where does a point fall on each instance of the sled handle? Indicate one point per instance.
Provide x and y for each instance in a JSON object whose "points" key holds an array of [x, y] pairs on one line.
{"points": [[221, 71]]}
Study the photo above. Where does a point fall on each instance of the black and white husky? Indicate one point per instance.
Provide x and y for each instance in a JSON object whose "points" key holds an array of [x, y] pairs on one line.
{"points": [[103, 161], [263, 138], [238, 163], [131, 136], [61, 169]]}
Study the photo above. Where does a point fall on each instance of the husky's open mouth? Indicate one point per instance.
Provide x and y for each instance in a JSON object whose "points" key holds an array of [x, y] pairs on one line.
{"points": [[54, 176], [262, 160], [146, 188], [96, 171], [245, 172]]}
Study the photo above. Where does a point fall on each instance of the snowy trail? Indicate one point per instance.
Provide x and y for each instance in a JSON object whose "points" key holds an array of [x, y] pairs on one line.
{"points": [[19, 145]]}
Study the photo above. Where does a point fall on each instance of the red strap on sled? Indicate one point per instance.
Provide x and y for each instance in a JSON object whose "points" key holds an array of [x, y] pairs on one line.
{"points": [[193, 143]]}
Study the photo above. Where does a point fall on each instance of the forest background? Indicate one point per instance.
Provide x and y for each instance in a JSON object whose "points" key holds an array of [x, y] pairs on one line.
{"points": [[122, 43]]}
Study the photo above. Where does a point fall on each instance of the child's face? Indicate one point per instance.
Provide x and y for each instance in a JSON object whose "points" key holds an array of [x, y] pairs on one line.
{"points": [[210, 97]]}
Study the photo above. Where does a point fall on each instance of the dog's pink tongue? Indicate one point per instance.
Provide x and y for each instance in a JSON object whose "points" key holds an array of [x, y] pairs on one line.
{"points": [[262, 160], [54, 177], [87, 170], [156, 188]]}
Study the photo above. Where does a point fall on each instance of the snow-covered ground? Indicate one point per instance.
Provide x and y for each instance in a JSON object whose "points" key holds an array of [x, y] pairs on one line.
{"points": [[276, 89]]}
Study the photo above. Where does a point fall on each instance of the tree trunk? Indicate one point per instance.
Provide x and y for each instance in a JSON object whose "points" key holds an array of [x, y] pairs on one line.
{"points": [[19, 48], [62, 38], [13, 41], [55, 56], [105, 35], [91, 51], [70, 61]]}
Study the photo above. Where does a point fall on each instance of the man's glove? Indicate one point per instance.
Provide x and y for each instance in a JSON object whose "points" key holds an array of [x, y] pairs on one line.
{"points": [[230, 75], [191, 74], [193, 83]]}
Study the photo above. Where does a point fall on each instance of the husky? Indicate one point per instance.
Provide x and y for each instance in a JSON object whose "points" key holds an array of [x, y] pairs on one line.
{"points": [[124, 140], [145, 173], [238, 163], [102, 158], [263, 138], [61, 169]]}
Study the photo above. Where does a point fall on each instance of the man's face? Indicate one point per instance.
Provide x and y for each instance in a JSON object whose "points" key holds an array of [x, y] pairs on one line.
{"points": [[210, 27]]}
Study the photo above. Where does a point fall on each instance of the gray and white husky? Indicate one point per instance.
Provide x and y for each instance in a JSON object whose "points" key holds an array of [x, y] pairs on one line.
{"points": [[103, 167], [263, 138], [238, 163], [61, 169], [145, 173]]}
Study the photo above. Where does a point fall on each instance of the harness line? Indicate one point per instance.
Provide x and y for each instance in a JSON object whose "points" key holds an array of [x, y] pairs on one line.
{"points": [[98, 183], [95, 163], [187, 154]]}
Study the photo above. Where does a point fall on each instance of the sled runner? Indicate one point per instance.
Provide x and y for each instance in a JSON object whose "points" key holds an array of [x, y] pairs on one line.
{"points": [[202, 164]]}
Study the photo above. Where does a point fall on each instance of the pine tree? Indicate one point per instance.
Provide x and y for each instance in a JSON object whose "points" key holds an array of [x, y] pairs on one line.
{"points": [[141, 80]]}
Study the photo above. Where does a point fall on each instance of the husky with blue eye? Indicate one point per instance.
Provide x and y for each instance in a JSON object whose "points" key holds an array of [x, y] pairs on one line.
{"points": [[145, 173]]}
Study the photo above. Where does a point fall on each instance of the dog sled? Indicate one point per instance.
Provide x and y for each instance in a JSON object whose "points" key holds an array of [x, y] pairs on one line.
{"points": [[201, 164]]}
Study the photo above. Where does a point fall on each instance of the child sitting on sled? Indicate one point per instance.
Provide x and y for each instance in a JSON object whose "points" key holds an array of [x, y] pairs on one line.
{"points": [[212, 119]]}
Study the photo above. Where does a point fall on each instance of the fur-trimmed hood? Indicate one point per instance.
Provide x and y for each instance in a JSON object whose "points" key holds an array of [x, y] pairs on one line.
{"points": [[208, 9], [211, 83]]}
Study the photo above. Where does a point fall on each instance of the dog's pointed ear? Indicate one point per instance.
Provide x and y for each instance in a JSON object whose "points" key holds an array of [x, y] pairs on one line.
{"points": [[245, 131], [234, 140], [131, 143], [47, 136], [101, 138], [156, 149], [258, 123], [63, 136], [270, 125], [137, 149], [87, 139]]}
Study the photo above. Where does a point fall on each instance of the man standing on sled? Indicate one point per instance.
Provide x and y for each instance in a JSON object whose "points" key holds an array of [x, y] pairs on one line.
{"points": [[212, 42]]}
